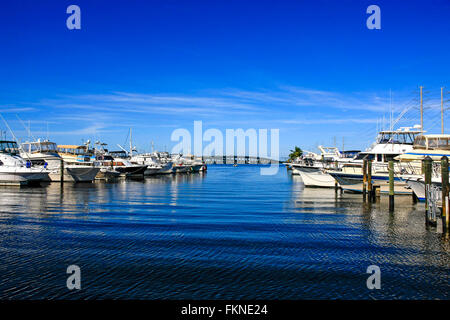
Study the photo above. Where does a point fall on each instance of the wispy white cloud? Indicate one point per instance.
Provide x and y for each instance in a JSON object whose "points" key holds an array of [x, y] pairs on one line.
{"points": [[233, 102], [10, 109]]}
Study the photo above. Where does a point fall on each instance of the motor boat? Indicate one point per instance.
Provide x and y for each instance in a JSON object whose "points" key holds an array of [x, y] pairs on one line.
{"points": [[14, 170], [388, 145], [312, 167], [45, 153]]}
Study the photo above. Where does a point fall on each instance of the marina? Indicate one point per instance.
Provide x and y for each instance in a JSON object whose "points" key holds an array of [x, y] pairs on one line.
{"points": [[231, 157]]}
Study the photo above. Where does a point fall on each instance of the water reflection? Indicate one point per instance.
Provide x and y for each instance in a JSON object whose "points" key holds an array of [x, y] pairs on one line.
{"points": [[229, 234]]}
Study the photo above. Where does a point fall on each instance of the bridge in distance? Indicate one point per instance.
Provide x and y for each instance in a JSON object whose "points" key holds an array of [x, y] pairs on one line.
{"points": [[240, 160]]}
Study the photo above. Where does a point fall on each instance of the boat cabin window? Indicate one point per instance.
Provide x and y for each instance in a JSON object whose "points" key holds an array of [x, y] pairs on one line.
{"points": [[118, 154], [420, 142], [350, 154], [379, 157], [105, 158], [443, 143], [48, 147], [389, 157], [9, 147], [432, 142], [75, 151], [363, 156]]}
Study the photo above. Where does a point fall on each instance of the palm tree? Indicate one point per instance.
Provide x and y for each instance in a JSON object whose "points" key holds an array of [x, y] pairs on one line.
{"points": [[297, 152]]}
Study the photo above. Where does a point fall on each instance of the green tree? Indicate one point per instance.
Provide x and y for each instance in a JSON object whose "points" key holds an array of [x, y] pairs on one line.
{"points": [[297, 152]]}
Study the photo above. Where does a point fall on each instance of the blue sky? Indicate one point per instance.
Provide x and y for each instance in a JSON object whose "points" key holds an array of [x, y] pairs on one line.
{"points": [[310, 68]]}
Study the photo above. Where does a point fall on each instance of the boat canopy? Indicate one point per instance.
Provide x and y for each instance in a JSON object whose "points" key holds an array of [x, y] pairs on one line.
{"points": [[10, 147], [397, 137], [39, 146], [432, 142]]}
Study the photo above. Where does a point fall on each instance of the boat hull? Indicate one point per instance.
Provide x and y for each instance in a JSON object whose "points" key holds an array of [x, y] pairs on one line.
{"points": [[131, 171], [315, 177], [181, 169], [75, 173], [107, 173], [22, 177], [354, 183], [152, 171]]}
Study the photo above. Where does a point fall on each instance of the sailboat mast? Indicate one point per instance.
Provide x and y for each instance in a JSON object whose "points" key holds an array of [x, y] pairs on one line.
{"points": [[131, 143], [421, 108], [442, 110]]}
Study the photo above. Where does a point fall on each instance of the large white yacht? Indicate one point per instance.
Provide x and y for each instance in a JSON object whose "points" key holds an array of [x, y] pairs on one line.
{"points": [[388, 145], [434, 146], [14, 170]]}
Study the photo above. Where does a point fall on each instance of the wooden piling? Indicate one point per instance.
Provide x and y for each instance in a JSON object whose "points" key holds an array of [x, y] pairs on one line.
{"points": [[369, 181], [445, 192], [427, 165], [61, 168], [391, 185], [364, 178]]}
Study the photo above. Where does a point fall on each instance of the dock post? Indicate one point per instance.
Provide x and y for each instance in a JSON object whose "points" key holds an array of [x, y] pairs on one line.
{"points": [[377, 192], [369, 181], [364, 178], [61, 168], [391, 185], [427, 165], [445, 191]]}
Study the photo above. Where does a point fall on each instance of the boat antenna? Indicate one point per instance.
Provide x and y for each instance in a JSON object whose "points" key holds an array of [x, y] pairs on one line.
{"points": [[6, 123], [13, 135], [391, 115], [442, 110], [28, 129], [131, 143], [421, 108]]}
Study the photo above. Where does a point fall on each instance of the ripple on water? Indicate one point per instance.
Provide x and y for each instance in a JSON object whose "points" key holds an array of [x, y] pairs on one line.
{"points": [[230, 233]]}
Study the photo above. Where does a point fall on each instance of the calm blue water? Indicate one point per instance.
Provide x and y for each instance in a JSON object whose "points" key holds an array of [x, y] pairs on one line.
{"points": [[227, 234]]}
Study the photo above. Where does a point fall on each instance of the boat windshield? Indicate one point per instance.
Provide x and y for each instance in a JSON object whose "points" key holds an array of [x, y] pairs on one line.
{"points": [[396, 137], [9, 147], [350, 153]]}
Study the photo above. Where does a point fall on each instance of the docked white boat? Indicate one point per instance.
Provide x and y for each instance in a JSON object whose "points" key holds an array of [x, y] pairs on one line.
{"points": [[154, 165], [434, 146], [45, 153], [14, 170], [388, 146], [79, 164], [313, 167]]}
